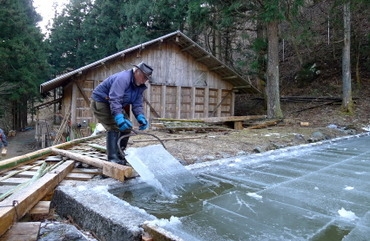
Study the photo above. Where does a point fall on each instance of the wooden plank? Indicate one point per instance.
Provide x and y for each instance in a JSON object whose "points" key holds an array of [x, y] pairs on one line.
{"points": [[232, 118], [70, 182], [25, 231], [30, 157], [110, 169], [169, 139], [206, 104], [24, 168], [163, 100], [4, 189], [41, 211], [94, 171], [17, 205], [117, 171], [178, 102], [42, 207], [238, 125], [26, 174], [217, 119], [79, 176], [14, 181]]}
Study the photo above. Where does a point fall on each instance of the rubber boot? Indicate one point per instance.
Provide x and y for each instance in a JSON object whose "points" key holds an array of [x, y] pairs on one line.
{"points": [[112, 148], [123, 145]]}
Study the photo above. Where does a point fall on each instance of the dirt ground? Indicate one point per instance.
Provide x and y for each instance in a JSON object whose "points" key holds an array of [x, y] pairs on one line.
{"points": [[22, 143], [325, 121], [194, 146]]}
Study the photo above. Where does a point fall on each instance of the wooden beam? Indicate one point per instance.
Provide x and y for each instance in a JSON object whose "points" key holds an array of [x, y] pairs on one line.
{"points": [[151, 107], [48, 103], [40, 211], [217, 119], [163, 100], [17, 205], [232, 118], [72, 109], [87, 100], [203, 57], [187, 48], [217, 67], [192, 104], [220, 102], [230, 77], [169, 139], [110, 169], [178, 102], [206, 102]]}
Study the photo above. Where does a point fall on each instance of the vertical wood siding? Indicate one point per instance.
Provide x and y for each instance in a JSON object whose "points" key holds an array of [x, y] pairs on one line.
{"points": [[182, 88]]}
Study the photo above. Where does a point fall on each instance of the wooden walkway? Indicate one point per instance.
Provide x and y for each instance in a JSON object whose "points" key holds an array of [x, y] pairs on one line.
{"points": [[27, 183]]}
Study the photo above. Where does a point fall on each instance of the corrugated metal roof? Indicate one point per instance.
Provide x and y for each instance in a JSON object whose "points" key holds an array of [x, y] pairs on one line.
{"points": [[186, 44]]}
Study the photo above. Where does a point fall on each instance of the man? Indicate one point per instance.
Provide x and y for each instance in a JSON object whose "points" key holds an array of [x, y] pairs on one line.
{"points": [[3, 141], [111, 102]]}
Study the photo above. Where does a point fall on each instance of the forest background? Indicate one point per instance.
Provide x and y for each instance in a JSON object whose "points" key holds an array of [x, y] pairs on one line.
{"points": [[277, 45]]}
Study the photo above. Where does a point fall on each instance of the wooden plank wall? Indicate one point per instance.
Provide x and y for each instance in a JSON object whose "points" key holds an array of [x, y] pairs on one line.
{"points": [[179, 102], [183, 88]]}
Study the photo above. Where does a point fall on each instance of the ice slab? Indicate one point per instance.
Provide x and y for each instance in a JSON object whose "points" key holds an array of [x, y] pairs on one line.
{"points": [[159, 168], [361, 231], [316, 193]]}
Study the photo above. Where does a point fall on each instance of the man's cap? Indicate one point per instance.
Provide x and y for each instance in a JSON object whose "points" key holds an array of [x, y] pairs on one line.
{"points": [[146, 69]]}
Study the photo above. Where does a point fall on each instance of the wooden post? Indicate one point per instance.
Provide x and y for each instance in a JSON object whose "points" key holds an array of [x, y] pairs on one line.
{"points": [[163, 100], [192, 107], [178, 102], [73, 109], [206, 102]]}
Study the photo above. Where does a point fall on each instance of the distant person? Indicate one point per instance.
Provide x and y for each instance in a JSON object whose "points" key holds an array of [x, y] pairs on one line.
{"points": [[111, 102], [3, 141]]}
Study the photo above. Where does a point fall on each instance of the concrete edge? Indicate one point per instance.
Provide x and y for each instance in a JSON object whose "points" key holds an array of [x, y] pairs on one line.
{"points": [[94, 209]]}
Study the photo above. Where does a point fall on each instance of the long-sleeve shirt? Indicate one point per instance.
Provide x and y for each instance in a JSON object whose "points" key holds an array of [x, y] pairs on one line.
{"points": [[120, 90], [3, 138]]}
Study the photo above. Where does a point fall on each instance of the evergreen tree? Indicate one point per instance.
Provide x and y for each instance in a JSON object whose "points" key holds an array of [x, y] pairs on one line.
{"points": [[103, 27], [22, 58], [68, 37]]}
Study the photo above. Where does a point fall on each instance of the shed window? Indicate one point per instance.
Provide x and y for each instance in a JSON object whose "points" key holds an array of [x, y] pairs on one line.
{"points": [[200, 78]]}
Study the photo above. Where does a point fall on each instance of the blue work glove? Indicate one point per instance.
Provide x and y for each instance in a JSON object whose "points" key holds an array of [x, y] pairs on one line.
{"points": [[122, 122], [142, 121]]}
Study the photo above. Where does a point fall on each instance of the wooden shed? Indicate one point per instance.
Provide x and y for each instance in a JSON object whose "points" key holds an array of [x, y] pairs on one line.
{"points": [[188, 82]]}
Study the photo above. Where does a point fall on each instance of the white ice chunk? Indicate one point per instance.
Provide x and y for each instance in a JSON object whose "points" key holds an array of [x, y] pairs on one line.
{"points": [[254, 195], [348, 188], [347, 214]]}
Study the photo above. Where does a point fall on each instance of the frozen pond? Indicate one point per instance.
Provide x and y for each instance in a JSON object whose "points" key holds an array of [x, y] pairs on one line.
{"points": [[319, 192]]}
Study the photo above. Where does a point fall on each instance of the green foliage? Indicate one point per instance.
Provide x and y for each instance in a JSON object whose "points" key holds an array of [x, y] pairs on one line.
{"points": [[22, 53], [67, 39]]}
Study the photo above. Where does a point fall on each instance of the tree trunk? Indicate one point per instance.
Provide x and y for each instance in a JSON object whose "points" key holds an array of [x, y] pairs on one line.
{"points": [[347, 103], [272, 85]]}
